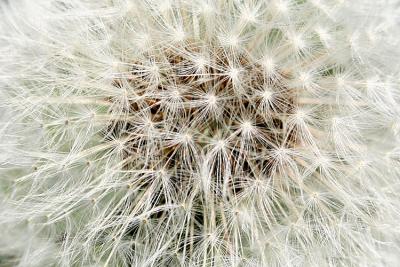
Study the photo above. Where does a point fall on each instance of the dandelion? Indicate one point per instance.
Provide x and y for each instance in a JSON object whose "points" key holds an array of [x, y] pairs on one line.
{"points": [[199, 133]]}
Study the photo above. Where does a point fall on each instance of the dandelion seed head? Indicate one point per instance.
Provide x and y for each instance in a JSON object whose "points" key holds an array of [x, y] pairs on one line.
{"points": [[340, 81], [200, 62], [249, 16], [282, 6], [268, 64], [206, 8], [297, 42], [267, 94], [233, 73], [179, 35], [220, 143], [212, 99], [247, 126], [230, 40], [300, 115], [199, 133]]}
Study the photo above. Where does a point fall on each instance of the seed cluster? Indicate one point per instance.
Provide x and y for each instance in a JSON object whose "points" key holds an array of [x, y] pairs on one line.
{"points": [[193, 105], [199, 133]]}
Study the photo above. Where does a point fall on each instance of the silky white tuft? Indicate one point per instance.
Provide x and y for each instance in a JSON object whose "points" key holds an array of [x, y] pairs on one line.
{"points": [[199, 133]]}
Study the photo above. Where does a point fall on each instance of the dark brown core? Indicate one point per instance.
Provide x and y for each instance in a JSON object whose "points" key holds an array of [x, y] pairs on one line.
{"points": [[172, 102]]}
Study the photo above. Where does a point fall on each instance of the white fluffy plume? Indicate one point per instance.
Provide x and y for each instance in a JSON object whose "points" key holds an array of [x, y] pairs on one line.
{"points": [[199, 133]]}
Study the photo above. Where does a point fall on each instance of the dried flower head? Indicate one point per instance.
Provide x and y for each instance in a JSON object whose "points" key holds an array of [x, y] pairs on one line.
{"points": [[199, 133]]}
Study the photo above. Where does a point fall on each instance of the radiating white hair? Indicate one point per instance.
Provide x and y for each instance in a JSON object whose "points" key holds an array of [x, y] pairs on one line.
{"points": [[199, 133]]}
